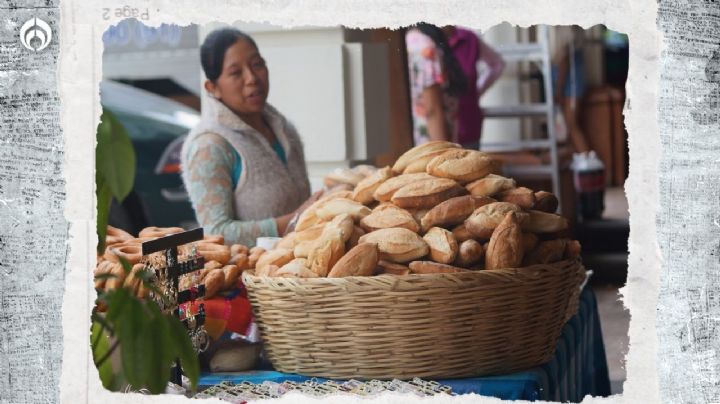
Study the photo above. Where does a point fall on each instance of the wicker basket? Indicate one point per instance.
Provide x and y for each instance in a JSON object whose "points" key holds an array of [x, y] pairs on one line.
{"points": [[433, 326]]}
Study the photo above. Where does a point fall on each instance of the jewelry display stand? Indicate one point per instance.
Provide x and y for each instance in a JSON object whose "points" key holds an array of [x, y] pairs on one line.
{"points": [[167, 280]]}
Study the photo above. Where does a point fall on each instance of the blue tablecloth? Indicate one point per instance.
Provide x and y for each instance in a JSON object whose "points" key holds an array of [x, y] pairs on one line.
{"points": [[578, 368]]}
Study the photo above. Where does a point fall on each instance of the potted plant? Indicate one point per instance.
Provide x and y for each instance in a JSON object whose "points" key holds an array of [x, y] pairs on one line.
{"points": [[134, 344]]}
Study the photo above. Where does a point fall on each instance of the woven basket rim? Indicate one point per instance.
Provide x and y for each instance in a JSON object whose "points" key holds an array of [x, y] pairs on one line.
{"points": [[513, 274]]}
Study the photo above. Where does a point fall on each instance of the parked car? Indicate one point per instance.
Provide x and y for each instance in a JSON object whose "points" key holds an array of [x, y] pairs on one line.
{"points": [[157, 127]]}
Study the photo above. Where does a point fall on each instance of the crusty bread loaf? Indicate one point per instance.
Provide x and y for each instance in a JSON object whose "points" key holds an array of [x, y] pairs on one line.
{"points": [[442, 244], [546, 202], [287, 242], [523, 197], [342, 225], [240, 260], [308, 218], [490, 185], [426, 193], [309, 234], [278, 256], [302, 249], [530, 241], [505, 246], [239, 248], [360, 261], [449, 212], [325, 252], [546, 252], [365, 189], [333, 207], [391, 268], [483, 221], [388, 215], [461, 233], [572, 249], [213, 282], [388, 188], [397, 244], [342, 176], [354, 238], [297, 268], [470, 252], [543, 222], [419, 165], [411, 155], [462, 165], [232, 273], [430, 267]]}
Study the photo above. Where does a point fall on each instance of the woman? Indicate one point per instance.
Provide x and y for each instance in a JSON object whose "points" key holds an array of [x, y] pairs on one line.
{"points": [[468, 50], [436, 80], [568, 76], [243, 164]]}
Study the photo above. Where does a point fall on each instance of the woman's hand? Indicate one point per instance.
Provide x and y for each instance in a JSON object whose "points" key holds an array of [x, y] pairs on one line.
{"points": [[286, 223]]}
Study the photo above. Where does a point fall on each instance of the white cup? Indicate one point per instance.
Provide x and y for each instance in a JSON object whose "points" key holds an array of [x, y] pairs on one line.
{"points": [[268, 243]]}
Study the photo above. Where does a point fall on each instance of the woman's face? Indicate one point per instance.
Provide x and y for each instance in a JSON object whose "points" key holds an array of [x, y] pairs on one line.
{"points": [[243, 84]]}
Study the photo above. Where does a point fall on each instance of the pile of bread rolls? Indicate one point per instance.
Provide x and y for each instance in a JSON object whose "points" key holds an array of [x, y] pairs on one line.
{"points": [[438, 209], [221, 271]]}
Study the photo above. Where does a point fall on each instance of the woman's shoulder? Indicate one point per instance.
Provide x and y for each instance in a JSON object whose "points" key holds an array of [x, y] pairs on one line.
{"points": [[207, 145]]}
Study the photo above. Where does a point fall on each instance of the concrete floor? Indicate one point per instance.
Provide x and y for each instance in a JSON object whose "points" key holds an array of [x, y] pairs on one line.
{"points": [[614, 318]]}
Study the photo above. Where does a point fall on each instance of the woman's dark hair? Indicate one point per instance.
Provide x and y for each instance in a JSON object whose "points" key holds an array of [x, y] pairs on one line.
{"points": [[212, 51], [457, 82]]}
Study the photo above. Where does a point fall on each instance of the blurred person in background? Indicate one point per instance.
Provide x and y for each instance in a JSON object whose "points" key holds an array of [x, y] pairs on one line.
{"points": [[436, 82], [569, 84], [469, 50]]}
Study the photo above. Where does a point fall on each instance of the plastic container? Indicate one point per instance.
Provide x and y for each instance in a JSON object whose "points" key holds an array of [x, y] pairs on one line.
{"points": [[589, 179]]}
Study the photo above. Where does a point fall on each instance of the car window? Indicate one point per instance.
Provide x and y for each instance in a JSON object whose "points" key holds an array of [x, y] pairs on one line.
{"points": [[145, 128]]}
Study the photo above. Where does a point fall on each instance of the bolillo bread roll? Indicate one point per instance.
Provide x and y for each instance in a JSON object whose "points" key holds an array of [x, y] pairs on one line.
{"points": [[397, 244], [296, 268], [542, 222], [391, 268], [462, 165], [505, 247], [278, 257], [388, 188], [546, 252], [334, 207], [426, 193], [411, 155], [419, 165], [469, 253], [365, 189], [461, 233], [485, 219], [546, 202], [360, 261], [523, 197], [442, 244], [388, 215], [490, 185], [449, 213]]}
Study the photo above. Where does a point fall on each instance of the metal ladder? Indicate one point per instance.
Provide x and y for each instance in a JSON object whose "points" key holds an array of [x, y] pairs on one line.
{"points": [[538, 51]]}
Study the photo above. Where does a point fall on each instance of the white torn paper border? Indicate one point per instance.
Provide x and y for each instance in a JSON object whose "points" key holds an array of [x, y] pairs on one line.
{"points": [[680, 365]]}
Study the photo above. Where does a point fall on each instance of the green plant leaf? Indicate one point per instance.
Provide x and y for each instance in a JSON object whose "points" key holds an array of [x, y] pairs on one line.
{"points": [[115, 156], [104, 198], [129, 327], [185, 352], [127, 267], [117, 300], [105, 370]]}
